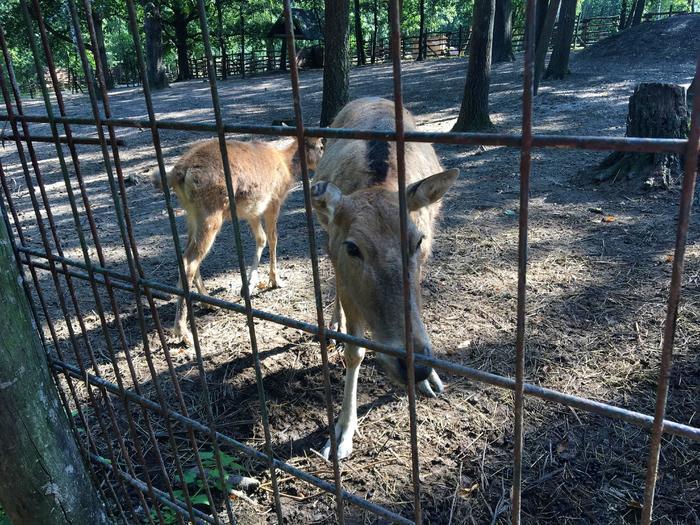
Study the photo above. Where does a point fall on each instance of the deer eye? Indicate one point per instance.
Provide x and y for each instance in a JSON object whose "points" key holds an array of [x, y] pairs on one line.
{"points": [[352, 249], [418, 244]]}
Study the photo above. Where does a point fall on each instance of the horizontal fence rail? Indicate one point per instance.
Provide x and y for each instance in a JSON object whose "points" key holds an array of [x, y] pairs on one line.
{"points": [[127, 437]]}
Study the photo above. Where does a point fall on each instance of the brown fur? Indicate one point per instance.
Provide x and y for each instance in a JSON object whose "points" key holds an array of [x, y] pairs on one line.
{"points": [[262, 174]]}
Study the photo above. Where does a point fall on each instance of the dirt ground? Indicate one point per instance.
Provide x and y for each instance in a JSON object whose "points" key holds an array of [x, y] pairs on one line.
{"points": [[596, 305]]}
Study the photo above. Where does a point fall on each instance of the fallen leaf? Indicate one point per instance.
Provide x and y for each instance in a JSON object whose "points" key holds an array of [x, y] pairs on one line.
{"points": [[669, 258], [465, 492], [609, 218]]}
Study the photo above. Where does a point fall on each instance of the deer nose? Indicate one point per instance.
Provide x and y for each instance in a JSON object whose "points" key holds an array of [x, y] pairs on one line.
{"points": [[420, 372]]}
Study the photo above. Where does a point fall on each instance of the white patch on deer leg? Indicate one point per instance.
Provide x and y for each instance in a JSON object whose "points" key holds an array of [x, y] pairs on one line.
{"points": [[260, 241], [347, 421], [180, 331]]}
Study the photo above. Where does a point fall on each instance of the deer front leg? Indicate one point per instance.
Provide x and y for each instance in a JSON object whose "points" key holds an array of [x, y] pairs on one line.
{"points": [[347, 420], [260, 241]]}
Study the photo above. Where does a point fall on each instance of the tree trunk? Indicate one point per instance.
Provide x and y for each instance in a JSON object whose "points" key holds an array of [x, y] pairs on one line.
{"points": [[42, 476], [270, 51], [242, 17], [421, 31], [623, 16], [389, 23], [559, 62], [180, 26], [658, 111], [503, 32], [283, 56], [336, 63], [100, 35], [222, 39], [153, 27], [359, 39], [543, 41], [374, 31], [638, 12], [540, 15], [474, 113]]}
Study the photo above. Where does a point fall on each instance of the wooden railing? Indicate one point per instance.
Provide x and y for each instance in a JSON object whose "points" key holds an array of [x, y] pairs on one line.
{"points": [[436, 45]]}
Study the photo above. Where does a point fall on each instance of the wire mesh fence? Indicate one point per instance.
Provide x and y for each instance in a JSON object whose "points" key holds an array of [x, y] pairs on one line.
{"points": [[134, 421]]}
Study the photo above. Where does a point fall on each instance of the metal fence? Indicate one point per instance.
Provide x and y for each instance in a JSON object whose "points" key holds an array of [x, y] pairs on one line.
{"points": [[116, 474]]}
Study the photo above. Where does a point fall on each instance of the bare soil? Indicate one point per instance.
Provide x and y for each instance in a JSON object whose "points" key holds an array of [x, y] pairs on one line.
{"points": [[598, 281]]}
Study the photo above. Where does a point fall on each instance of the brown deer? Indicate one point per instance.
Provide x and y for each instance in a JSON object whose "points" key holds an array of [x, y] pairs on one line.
{"points": [[262, 174], [356, 200]]}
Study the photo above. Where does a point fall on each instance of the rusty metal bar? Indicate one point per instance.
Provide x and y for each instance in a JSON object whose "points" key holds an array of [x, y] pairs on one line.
{"points": [[395, 30], [61, 140], [45, 243], [122, 192], [582, 142], [674, 297], [323, 342], [211, 70], [241, 447], [64, 400], [525, 162], [596, 407], [132, 252]]}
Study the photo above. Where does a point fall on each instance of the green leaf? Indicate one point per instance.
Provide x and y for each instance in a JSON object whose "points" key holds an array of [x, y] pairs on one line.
{"points": [[189, 477], [200, 499], [179, 494]]}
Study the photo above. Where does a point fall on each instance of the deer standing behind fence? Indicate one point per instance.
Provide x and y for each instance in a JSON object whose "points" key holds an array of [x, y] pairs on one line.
{"points": [[356, 200], [262, 174]]}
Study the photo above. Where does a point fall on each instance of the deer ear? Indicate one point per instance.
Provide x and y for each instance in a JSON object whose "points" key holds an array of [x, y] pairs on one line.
{"points": [[429, 190], [325, 198]]}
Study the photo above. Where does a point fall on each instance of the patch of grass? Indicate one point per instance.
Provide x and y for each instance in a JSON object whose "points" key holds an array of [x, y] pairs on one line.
{"points": [[196, 485]]}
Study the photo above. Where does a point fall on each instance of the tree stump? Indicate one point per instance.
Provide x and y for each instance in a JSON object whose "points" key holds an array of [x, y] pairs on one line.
{"points": [[656, 110]]}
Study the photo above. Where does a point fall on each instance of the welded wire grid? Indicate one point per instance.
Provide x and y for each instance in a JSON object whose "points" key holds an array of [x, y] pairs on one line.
{"points": [[111, 460]]}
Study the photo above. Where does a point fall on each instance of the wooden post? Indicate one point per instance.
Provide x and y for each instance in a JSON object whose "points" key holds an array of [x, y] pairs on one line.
{"points": [[42, 475]]}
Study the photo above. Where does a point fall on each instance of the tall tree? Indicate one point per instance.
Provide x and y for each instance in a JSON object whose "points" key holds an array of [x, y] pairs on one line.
{"points": [[474, 113], [183, 14], [375, 14], [422, 38], [503, 32], [638, 12], [98, 22], [336, 60], [559, 62], [359, 39], [42, 476], [623, 16], [153, 28], [222, 39], [543, 40]]}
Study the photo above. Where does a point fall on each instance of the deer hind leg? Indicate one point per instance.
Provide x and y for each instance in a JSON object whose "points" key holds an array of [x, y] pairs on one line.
{"points": [[346, 425], [203, 231], [271, 216], [260, 241]]}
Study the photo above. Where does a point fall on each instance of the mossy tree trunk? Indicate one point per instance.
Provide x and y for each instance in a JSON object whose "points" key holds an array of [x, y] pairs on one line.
{"points": [[42, 475], [655, 110]]}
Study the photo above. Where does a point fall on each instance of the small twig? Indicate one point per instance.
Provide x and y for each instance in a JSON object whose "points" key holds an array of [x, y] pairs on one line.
{"points": [[454, 496]]}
